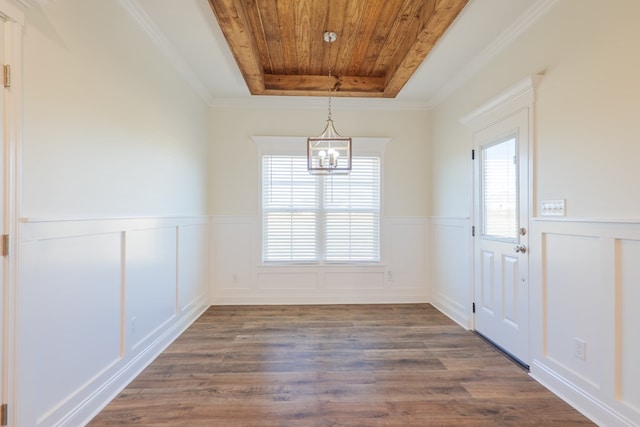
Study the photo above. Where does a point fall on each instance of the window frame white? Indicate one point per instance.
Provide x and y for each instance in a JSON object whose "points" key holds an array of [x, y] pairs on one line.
{"points": [[287, 145]]}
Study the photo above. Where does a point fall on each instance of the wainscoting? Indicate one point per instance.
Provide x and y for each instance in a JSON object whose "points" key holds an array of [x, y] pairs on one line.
{"points": [[99, 300], [586, 288], [450, 268], [239, 277]]}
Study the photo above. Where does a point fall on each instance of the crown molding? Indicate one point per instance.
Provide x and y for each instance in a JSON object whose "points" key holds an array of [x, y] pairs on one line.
{"points": [[146, 24], [32, 3], [503, 41], [516, 97], [315, 103]]}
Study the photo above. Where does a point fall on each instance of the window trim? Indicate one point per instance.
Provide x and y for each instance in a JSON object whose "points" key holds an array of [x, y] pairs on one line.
{"points": [[296, 145]]}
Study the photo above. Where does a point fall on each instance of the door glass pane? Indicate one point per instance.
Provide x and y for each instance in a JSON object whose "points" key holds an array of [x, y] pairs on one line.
{"points": [[500, 190]]}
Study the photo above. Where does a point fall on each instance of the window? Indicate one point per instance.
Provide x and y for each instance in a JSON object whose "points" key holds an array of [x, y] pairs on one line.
{"points": [[314, 219]]}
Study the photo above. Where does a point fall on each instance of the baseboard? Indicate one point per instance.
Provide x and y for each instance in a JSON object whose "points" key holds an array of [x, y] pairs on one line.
{"points": [[585, 403], [106, 392], [451, 310], [311, 300]]}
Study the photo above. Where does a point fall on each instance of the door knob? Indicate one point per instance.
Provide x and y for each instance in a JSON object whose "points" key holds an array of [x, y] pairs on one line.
{"points": [[520, 249]]}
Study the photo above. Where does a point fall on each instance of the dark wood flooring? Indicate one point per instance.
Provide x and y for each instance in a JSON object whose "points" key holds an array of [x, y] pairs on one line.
{"points": [[333, 365]]}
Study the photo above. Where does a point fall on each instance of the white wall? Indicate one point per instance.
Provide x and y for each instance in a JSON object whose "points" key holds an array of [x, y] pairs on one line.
{"points": [[234, 156], [111, 132], [238, 274], [110, 128], [240, 278], [585, 153]]}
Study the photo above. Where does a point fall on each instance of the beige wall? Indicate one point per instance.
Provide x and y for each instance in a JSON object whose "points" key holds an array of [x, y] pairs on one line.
{"points": [[110, 129], [234, 185], [586, 127]]}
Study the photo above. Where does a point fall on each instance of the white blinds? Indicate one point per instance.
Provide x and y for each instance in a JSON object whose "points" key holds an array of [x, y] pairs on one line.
{"points": [[310, 218], [500, 190]]}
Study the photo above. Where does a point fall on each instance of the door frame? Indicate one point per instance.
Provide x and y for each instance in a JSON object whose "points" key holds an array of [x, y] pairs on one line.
{"points": [[13, 17], [521, 95]]}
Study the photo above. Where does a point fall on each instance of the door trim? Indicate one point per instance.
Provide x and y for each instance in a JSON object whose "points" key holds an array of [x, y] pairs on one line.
{"points": [[13, 27], [516, 98]]}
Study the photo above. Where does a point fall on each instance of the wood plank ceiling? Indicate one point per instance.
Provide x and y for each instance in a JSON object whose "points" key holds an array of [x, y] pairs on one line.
{"points": [[279, 45]]}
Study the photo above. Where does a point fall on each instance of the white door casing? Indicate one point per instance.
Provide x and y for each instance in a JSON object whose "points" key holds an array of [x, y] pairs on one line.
{"points": [[11, 32], [3, 217], [501, 188], [503, 127]]}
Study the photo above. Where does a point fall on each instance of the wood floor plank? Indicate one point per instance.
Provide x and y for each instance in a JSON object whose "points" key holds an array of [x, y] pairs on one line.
{"points": [[333, 365]]}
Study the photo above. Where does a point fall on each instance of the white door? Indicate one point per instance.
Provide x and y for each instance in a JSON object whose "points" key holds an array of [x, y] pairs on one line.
{"points": [[501, 194]]}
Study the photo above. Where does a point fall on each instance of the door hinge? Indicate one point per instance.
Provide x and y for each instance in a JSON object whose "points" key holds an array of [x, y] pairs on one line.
{"points": [[7, 75], [5, 245], [473, 231], [473, 307], [3, 414], [473, 154]]}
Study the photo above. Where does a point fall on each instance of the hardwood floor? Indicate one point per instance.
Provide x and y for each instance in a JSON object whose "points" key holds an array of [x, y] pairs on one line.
{"points": [[333, 365]]}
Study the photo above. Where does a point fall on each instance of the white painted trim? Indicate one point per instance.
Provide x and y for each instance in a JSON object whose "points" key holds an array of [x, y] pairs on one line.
{"points": [[587, 220], [588, 405], [502, 42], [518, 96], [517, 99], [109, 390], [33, 3], [451, 309], [458, 311], [311, 284], [315, 103], [416, 298], [13, 33], [94, 395], [52, 229], [12, 10], [146, 24]]}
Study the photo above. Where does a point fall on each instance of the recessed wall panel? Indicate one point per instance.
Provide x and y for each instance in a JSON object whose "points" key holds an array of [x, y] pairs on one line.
{"points": [[69, 319], [292, 281], [575, 310], [359, 281], [150, 282], [628, 271], [233, 246], [407, 244], [192, 263]]}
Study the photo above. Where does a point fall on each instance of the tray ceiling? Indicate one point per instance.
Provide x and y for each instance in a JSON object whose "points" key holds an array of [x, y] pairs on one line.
{"points": [[279, 46]]}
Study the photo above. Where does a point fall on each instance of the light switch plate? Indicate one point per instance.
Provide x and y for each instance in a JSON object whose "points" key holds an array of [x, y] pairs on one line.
{"points": [[552, 207]]}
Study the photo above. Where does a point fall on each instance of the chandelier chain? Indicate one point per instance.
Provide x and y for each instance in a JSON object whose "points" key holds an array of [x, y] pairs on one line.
{"points": [[329, 80]]}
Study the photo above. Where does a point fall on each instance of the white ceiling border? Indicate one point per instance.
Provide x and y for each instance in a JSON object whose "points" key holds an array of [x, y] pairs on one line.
{"points": [[319, 102], [504, 40], [140, 17]]}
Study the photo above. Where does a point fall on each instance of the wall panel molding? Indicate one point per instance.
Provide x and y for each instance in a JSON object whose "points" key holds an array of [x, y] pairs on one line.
{"points": [[450, 265], [239, 277], [585, 277], [99, 300]]}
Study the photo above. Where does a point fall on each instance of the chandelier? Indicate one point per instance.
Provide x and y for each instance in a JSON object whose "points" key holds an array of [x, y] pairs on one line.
{"points": [[329, 153]]}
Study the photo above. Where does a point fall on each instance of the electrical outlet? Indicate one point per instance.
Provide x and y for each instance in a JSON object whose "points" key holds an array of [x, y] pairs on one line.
{"points": [[133, 325], [236, 278], [390, 276], [580, 349]]}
